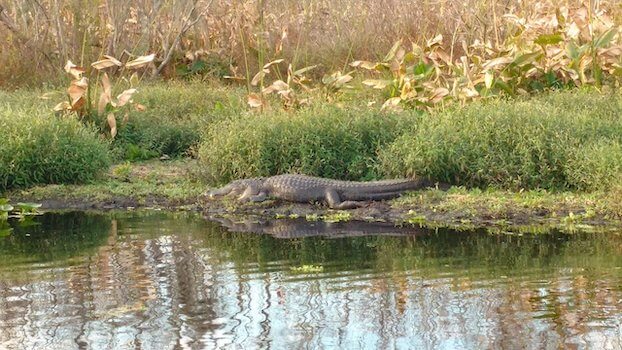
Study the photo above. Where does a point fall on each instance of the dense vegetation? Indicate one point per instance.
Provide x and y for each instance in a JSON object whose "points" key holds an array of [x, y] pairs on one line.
{"points": [[38, 148], [174, 118], [557, 141], [498, 104], [323, 141]]}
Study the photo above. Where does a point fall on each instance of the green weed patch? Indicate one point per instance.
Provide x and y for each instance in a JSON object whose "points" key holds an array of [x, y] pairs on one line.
{"points": [[321, 141], [567, 140], [40, 149]]}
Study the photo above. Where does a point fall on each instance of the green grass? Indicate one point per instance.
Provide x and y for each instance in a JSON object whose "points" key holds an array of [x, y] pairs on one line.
{"points": [[175, 115], [38, 148], [323, 141], [568, 140], [169, 183]]}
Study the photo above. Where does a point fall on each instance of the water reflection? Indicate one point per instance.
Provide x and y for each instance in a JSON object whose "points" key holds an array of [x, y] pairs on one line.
{"points": [[161, 281]]}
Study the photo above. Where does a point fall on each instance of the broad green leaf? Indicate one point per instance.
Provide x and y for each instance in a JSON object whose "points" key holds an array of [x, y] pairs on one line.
{"points": [[526, 58], [28, 206], [422, 68], [5, 231], [549, 39], [605, 38], [6, 207]]}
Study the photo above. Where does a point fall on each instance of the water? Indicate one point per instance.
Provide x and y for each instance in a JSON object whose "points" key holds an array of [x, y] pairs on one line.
{"points": [[164, 281]]}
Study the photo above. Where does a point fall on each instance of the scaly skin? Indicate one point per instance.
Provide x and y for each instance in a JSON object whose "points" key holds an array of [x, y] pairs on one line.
{"points": [[306, 189]]}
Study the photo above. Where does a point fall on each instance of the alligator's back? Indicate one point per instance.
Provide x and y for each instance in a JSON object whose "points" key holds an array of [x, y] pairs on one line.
{"points": [[352, 190]]}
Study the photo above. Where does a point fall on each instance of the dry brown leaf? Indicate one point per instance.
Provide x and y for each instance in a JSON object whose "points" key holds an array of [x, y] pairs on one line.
{"points": [[438, 94], [437, 40], [112, 123], [377, 83], [140, 61], [267, 65], [255, 101], [364, 64], [391, 104], [139, 107], [257, 78], [78, 104], [277, 85], [74, 70], [125, 97], [107, 62], [63, 106], [106, 95], [76, 91]]}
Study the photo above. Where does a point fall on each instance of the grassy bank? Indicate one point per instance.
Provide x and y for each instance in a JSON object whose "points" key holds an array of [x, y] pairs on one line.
{"points": [[555, 157], [558, 141]]}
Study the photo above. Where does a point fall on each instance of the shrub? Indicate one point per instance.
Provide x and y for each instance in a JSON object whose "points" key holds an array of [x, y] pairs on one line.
{"points": [[321, 141], [594, 166], [41, 149], [537, 143], [175, 113]]}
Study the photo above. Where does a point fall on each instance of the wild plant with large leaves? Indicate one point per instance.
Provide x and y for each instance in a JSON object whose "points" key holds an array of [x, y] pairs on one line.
{"points": [[555, 47], [79, 100]]}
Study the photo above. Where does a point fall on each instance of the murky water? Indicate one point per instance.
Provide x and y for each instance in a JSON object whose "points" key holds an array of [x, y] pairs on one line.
{"points": [[163, 281]]}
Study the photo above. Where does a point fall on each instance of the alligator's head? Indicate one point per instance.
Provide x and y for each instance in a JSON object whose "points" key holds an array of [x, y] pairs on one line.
{"points": [[236, 188]]}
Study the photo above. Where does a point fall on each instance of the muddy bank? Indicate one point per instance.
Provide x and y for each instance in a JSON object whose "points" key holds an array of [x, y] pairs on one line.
{"points": [[456, 208], [423, 214], [113, 203]]}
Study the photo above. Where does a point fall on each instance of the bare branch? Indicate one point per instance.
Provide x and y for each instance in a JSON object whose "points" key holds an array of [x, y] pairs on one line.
{"points": [[6, 20], [185, 27]]}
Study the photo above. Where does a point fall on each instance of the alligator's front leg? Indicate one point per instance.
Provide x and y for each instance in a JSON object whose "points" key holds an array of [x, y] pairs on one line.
{"points": [[334, 201], [253, 194]]}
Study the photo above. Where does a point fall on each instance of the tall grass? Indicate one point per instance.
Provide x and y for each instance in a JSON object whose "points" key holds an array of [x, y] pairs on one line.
{"points": [[175, 115], [37, 148], [567, 140], [322, 141]]}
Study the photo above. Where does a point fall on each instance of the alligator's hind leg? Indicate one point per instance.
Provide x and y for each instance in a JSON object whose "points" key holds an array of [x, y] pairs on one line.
{"points": [[334, 201]]}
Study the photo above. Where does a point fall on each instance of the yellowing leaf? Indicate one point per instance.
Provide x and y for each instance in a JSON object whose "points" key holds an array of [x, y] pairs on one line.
{"points": [[497, 62], [134, 80], [488, 79], [304, 70], [393, 51], [140, 61]]}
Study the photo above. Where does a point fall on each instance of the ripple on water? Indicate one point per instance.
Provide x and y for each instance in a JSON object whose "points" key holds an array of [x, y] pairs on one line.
{"points": [[159, 282]]}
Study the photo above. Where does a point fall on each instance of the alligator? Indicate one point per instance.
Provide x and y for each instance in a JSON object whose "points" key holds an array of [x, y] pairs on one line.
{"points": [[306, 189]]}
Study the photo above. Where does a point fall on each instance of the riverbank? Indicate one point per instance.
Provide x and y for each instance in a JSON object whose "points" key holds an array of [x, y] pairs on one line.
{"points": [[172, 185]]}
